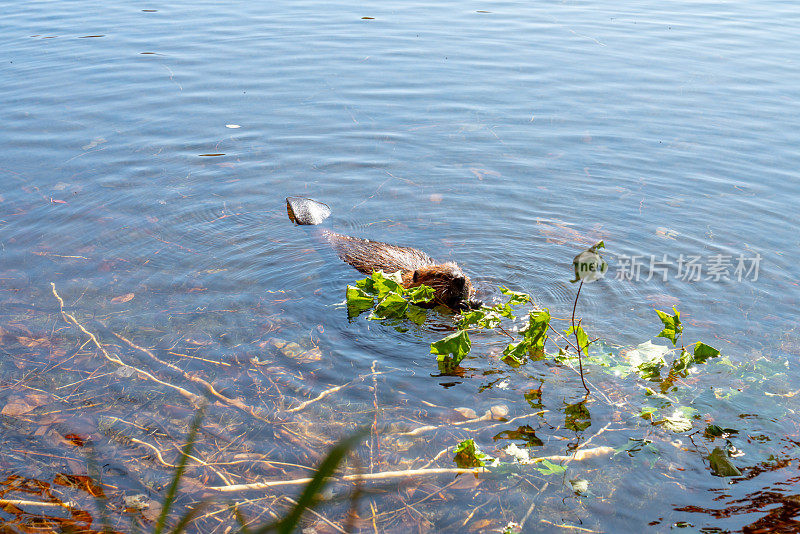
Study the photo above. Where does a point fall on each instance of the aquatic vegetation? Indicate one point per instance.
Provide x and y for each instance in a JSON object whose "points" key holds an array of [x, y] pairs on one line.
{"points": [[650, 409], [663, 401]]}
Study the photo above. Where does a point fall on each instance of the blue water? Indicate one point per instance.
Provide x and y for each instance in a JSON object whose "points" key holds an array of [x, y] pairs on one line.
{"points": [[506, 140]]}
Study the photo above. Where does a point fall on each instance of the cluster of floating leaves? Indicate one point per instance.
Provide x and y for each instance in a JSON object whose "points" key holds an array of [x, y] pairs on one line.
{"points": [[665, 402]]}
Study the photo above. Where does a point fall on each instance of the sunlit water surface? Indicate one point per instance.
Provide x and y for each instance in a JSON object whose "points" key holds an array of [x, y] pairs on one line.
{"points": [[148, 149]]}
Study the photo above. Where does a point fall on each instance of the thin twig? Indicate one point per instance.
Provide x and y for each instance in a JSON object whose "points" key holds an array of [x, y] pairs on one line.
{"points": [[435, 458], [17, 502], [585, 443], [161, 459], [84, 380], [318, 515], [503, 330], [578, 341], [319, 397], [562, 337], [485, 417], [195, 399], [530, 509], [374, 523], [437, 491], [569, 527], [235, 403], [474, 510], [579, 456]]}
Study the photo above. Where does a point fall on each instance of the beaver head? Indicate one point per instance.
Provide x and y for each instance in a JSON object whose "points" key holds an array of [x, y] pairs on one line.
{"points": [[451, 286]]}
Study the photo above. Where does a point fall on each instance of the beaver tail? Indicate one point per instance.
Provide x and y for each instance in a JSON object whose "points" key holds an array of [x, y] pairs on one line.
{"points": [[303, 210]]}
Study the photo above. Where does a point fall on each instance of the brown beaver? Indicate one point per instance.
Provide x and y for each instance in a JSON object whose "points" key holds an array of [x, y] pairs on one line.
{"points": [[452, 288]]}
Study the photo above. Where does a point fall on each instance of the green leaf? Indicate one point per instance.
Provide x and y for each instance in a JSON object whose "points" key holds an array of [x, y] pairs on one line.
{"points": [[672, 325], [483, 317], [550, 468], [392, 306], [650, 370], [647, 412], [469, 455], [416, 314], [525, 433], [536, 331], [583, 339], [420, 294], [456, 344], [504, 310], [534, 398], [387, 283], [358, 301], [647, 359], [721, 465], [703, 352], [490, 321], [516, 296], [394, 301], [682, 364], [677, 422], [577, 417], [636, 447], [646, 352], [516, 352], [471, 317], [534, 337], [367, 285], [381, 284], [714, 431]]}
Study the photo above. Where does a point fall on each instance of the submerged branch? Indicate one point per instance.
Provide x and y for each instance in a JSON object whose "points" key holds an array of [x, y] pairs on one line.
{"points": [[234, 403], [69, 318], [385, 475], [580, 455]]}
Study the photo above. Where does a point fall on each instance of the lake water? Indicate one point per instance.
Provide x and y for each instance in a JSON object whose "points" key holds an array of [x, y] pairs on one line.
{"points": [[148, 149]]}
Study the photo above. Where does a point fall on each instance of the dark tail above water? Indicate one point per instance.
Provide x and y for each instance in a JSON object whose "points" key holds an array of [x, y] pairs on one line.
{"points": [[306, 211]]}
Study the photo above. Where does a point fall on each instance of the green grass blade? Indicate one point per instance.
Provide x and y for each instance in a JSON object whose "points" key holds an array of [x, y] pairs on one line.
{"points": [[288, 524], [176, 479], [188, 516], [101, 501], [241, 519]]}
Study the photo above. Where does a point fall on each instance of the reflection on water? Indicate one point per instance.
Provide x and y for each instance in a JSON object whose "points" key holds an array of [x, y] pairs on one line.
{"points": [[148, 151]]}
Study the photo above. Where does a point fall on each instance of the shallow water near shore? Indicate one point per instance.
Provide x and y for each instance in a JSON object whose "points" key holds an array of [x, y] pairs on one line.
{"points": [[147, 153]]}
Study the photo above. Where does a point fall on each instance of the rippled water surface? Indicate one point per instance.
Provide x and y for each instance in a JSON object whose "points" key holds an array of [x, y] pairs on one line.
{"points": [[148, 149]]}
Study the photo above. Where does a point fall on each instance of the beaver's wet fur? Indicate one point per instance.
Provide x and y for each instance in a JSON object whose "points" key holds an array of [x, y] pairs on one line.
{"points": [[452, 288]]}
